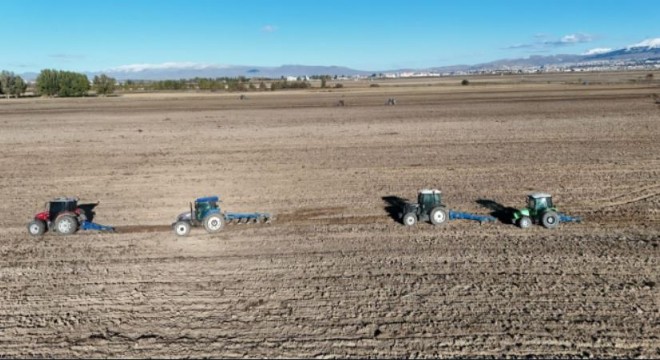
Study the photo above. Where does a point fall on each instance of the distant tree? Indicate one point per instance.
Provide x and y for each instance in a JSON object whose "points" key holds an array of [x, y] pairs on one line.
{"points": [[103, 84], [262, 86], [339, 85], [72, 84], [323, 82], [465, 82], [48, 82], [11, 84], [18, 86]]}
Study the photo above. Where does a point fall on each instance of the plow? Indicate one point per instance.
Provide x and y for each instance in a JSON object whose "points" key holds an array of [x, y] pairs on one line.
{"points": [[455, 215], [206, 212]]}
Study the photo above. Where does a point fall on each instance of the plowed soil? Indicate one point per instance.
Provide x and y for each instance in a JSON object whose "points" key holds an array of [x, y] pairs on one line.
{"points": [[335, 274]]}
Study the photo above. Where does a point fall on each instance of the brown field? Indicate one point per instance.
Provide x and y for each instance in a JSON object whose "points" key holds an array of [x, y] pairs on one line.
{"points": [[334, 274]]}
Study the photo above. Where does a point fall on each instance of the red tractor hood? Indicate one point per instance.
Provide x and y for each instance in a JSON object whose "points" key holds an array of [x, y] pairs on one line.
{"points": [[43, 216]]}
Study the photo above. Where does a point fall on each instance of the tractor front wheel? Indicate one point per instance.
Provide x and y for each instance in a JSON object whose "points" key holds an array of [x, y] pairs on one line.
{"points": [[525, 222], [36, 227], [550, 220], [214, 223], [409, 219], [438, 216], [182, 228], [66, 225]]}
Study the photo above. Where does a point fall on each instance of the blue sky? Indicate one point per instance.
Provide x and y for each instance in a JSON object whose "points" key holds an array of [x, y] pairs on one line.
{"points": [[93, 35]]}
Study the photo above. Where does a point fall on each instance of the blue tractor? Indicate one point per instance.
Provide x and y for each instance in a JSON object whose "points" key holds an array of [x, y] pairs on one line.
{"points": [[206, 212]]}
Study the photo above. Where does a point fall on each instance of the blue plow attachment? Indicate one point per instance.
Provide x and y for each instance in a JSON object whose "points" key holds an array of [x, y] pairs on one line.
{"points": [[88, 225], [568, 218], [453, 215], [245, 217]]}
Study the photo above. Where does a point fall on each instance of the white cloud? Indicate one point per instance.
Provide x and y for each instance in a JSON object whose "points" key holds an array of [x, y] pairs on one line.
{"points": [[165, 66], [651, 43], [67, 56], [269, 28], [543, 41], [575, 38], [597, 51]]}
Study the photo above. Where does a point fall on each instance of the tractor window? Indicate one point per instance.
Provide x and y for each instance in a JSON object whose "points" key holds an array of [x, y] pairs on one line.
{"points": [[531, 203], [548, 202], [541, 203]]}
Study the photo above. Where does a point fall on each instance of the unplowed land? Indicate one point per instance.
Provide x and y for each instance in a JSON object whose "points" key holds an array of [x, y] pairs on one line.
{"points": [[334, 274]]}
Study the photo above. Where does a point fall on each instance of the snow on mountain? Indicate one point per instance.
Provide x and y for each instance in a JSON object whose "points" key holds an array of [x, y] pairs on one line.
{"points": [[597, 51], [648, 43]]}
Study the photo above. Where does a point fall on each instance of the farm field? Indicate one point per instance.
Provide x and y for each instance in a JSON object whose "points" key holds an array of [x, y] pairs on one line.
{"points": [[334, 275]]}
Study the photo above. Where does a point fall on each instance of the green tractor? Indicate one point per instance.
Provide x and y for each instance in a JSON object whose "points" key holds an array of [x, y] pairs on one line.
{"points": [[539, 210]]}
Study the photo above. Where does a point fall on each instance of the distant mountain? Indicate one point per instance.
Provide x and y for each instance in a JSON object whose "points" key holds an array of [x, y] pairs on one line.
{"points": [[645, 52], [211, 71]]}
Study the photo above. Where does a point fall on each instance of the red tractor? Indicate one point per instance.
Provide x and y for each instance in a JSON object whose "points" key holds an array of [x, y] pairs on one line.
{"points": [[64, 216]]}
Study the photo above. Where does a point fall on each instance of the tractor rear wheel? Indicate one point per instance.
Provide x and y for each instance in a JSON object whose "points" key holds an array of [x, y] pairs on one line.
{"points": [[409, 219], [36, 227], [66, 224], [214, 223], [524, 222], [550, 220], [182, 228], [438, 216]]}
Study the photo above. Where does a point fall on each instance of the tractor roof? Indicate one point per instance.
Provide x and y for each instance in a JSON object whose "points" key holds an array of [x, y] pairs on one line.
{"points": [[537, 195], [208, 199], [430, 191], [64, 199]]}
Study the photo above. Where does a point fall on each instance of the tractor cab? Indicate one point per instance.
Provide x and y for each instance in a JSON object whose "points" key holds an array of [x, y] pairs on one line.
{"points": [[205, 206], [429, 199], [61, 205], [539, 202]]}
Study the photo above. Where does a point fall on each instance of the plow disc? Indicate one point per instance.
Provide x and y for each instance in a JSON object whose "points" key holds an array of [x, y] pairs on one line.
{"points": [[568, 218], [453, 215], [88, 225], [247, 218]]}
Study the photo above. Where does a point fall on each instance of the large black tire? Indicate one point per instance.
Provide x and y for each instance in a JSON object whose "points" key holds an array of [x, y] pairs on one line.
{"points": [[36, 227], [214, 223], [66, 224], [524, 222], [438, 216], [409, 219], [182, 228], [550, 220]]}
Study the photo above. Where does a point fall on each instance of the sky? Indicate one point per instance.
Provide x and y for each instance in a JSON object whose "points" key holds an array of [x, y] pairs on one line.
{"points": [[96, 35]]}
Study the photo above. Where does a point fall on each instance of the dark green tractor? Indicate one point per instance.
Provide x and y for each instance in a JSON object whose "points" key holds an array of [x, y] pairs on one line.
{"points": [[207, 213], [539, 210], [429, 207]]}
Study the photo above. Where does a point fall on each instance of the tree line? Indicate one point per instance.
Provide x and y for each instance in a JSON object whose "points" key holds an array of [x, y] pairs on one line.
{"points": [[239, 84], [51, 82], [71, 84]]}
